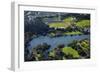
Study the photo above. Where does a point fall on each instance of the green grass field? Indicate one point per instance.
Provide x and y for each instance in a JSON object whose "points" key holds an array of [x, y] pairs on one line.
{"points": [[71, 51], [66, 22], [83, 23], [73, 33], [57, 25]]}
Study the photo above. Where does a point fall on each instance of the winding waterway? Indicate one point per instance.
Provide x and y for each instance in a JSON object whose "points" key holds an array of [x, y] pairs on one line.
{"points": [[55, 41]]}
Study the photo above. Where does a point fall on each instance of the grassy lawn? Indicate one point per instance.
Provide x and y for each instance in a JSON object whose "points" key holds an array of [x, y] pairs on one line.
{"points": [[83, 23], [57, 25], [69, 50], [66, 22], [73, 33]]}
